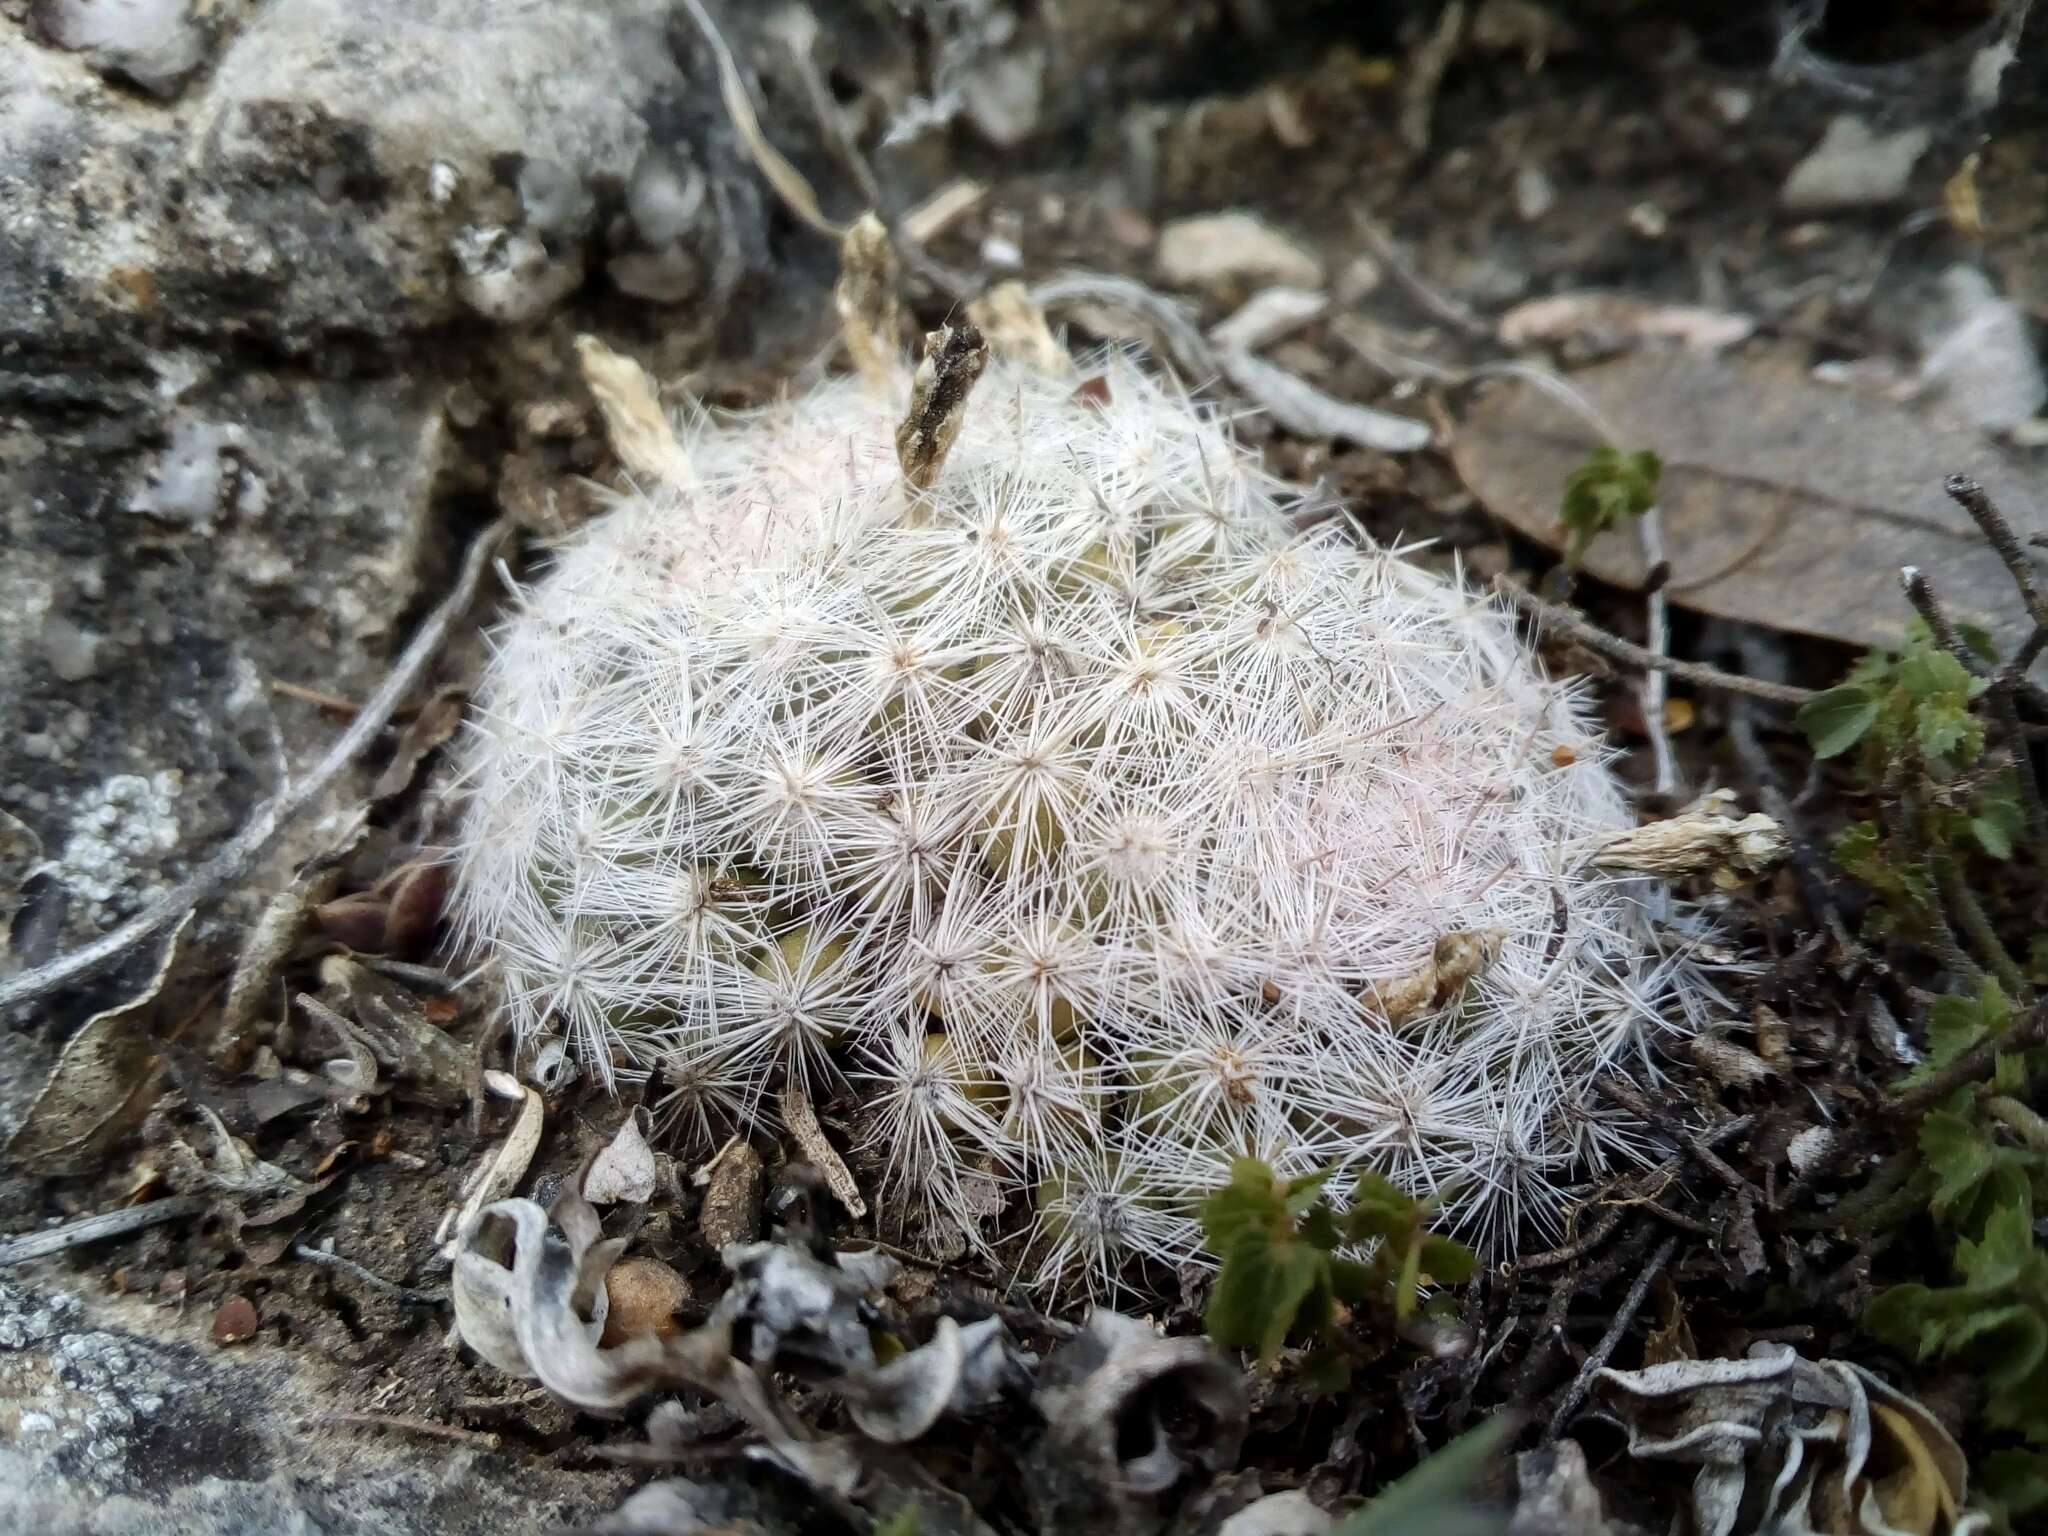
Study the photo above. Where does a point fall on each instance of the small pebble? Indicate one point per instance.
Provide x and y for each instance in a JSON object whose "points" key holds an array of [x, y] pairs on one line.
{"points": [[235, 1321], [642, 1296]]}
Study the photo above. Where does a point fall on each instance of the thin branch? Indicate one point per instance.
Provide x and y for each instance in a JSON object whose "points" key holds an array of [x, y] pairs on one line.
{"points": [[375, 1281], [1971, 497], [428, 1427], [1631, 1304], [1972, 1066], [1438, 303], [1977, 928], [97, 1228], [1650, 533], [1563, 621], [242, 850], [1914, 583]]}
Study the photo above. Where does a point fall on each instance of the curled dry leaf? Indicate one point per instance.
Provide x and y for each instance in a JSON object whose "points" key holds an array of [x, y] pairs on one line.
{"points": [[102, 1083], [1782, 502], [390, 1022], [963, 1368], [1456, 959], [430, 728], [1016, 328], [1706, 838], [1128, 1416], [501, 1174], [533, 1291], [1796, 1447]]}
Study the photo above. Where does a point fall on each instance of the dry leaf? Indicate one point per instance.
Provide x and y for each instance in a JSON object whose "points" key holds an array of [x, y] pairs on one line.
{"points": [[1784, 502], [1706, 838], [100, 1085], [624, 1170], [1798, 1447], [434, 724], [1609, 320]]}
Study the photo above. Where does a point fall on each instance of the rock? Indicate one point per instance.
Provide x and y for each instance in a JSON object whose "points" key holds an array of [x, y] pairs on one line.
{"points": [[1233, 250], [1854, 166], [118, 1418], [1980, 357], [155, 44], [732, 1199], [236, 1322], [642, 1296], [168, 560]]}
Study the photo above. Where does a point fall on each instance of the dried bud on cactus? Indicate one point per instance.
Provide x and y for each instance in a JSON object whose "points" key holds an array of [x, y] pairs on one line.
{"points": [[1095, 825]]}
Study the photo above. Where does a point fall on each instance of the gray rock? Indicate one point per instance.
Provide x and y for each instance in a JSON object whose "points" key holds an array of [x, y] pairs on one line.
{"points": [[164, 567], [1854, 166], [155, 44], [122, 1421]]}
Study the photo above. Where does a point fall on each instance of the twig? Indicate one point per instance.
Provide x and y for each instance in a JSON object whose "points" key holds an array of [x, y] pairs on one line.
{"points": [[1631, 1304], [1563, 621], [1971, 497], [332, 702], [802, 1121], [428, 1427], [241, 850], [1976, 925], [98, 1227], [1972, 1066], [370, 1278], [1913, 581], [1650, 533], [1442, 305], [1578, 1248], [789, 183], [1182, 338], [1699, 1144], [1425, 70]]}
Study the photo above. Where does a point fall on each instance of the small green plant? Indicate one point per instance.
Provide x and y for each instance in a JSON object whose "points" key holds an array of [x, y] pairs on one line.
{"points": [[1984, 1174], [1936, 734], [1608, 488], [1289, 1269], [1911, 717]]}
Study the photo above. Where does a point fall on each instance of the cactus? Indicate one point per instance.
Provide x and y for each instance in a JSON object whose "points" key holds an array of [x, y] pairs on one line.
{"points": [[1091, 818]]}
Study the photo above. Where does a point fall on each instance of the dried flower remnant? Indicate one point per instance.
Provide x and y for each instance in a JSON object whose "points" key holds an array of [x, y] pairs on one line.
{"points": [[1047, 786]]}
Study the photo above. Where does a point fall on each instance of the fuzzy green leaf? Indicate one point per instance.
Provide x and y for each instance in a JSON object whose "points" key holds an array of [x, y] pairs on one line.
{"points": [[1609, 487], [1262, 1290], [1836, 720], [1998, 825]]}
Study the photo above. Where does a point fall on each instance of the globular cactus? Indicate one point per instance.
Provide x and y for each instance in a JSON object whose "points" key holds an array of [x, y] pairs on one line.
{"points": [[1086, 817]]}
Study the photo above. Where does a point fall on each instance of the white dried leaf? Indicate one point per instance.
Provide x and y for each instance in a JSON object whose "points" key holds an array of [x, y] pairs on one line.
{"points": [[1808, 1432], [1267, 316], [1705, 838], [624, 1170]]}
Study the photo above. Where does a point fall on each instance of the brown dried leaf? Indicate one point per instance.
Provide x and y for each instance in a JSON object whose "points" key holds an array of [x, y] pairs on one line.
{"points": [[1784, 502], [102, 1083], [954, 357], [434, 724], [870, 314]]}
